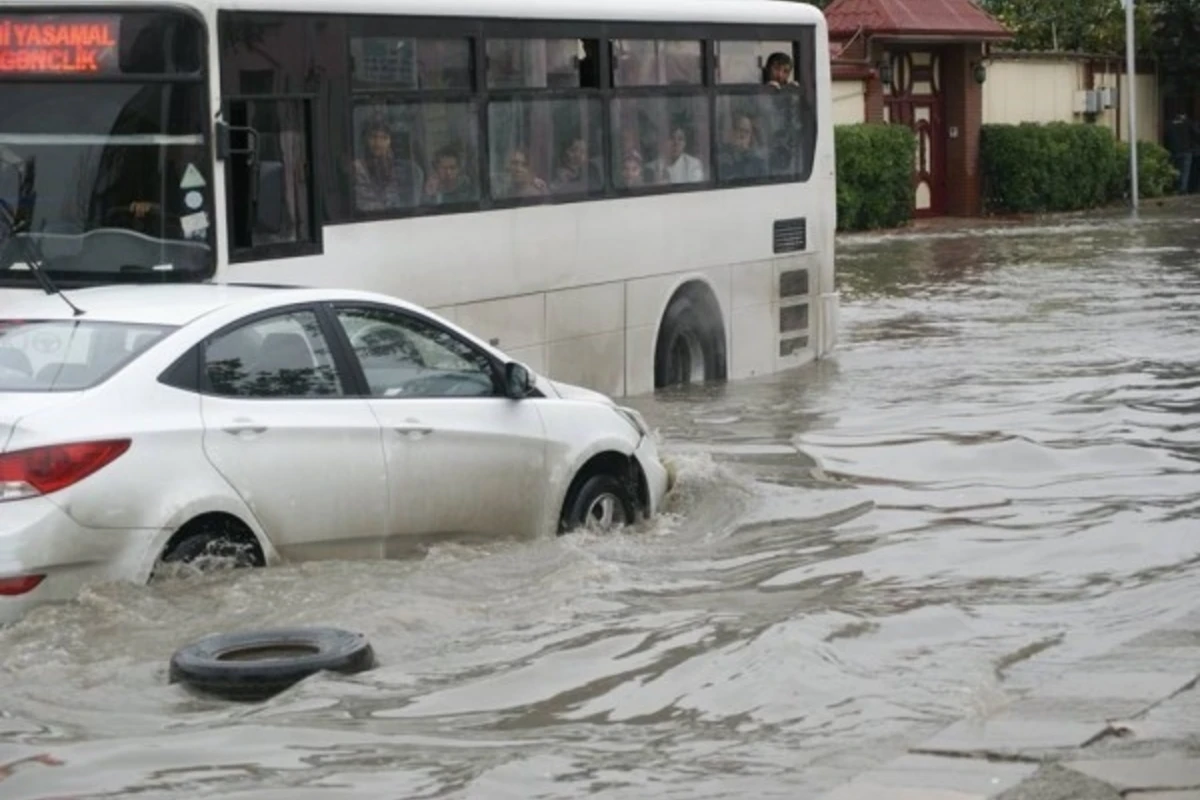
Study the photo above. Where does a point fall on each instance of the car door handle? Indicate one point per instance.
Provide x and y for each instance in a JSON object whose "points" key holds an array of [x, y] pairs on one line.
{"points": [[413, 431], [245, 430]]}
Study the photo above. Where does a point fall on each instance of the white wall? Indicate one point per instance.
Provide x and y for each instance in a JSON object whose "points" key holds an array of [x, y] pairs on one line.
{"points": [[849, 102]]}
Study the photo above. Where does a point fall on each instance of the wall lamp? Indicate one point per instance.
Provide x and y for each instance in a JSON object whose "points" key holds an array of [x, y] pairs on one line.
{"points": [[884, 68]]}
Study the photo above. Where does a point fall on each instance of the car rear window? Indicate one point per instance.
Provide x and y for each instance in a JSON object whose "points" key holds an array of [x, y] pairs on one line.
{"points": [[65, 355]]}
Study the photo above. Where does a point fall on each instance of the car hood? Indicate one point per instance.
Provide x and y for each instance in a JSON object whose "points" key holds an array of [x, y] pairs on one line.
{"points": [[568, 391]]}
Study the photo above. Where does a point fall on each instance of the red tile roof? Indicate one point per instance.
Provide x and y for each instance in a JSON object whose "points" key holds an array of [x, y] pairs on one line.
{"points": [[962, 18]]}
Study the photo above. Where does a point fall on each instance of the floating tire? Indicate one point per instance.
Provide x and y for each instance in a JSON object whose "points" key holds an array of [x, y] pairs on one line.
{"points": [[255, 665]]}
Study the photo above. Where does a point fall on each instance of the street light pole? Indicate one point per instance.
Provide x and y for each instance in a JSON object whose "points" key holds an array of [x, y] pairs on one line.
{"points": [[1131, 77]]}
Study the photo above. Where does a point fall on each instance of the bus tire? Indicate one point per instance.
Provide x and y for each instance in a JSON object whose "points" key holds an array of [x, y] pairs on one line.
{"points": [[688, 350]]}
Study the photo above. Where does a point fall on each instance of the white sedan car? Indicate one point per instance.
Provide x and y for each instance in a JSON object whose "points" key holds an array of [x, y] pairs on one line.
{"points": [[165, 423]]}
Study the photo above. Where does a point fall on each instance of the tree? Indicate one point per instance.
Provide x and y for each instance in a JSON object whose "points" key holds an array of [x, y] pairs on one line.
{"points": [[1175, 44], [1095, 27]]}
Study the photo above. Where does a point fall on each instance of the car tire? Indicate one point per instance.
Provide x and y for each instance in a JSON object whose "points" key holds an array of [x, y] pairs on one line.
{"points": [[600, 495], [215, 538], [255, 665]]}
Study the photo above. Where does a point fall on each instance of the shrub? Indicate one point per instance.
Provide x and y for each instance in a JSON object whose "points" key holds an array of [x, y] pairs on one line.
{"points": [[1057, 166], [874, 175], [1157, 176]]}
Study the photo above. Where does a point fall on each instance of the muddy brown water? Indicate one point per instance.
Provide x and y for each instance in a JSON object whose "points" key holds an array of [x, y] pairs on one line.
{"points": [[994, 478]]}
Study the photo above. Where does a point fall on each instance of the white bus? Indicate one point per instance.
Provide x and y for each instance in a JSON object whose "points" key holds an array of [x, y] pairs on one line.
{"points": [[624, 194]]}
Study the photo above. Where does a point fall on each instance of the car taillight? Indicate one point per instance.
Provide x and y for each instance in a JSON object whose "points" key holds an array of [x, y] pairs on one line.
{"points": [[42, 470], [14, 587]]}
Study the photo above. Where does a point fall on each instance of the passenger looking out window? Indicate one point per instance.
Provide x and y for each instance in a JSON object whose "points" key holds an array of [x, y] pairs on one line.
{"points": [[520, 180], [448, 182], [740, 158], [778, 70], [381, 180], [676, 165], [576, 172], [633, 170]]}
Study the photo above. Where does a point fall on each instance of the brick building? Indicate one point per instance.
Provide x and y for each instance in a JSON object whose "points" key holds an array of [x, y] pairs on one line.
{"points": [[923, 64]]}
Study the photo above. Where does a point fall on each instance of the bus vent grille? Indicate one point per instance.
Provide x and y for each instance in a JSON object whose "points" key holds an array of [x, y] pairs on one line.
{"points": [[792, 346], [793, 283], [791, 235]]}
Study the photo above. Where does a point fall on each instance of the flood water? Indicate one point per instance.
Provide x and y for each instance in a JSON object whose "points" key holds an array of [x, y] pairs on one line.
{"points": [[1007, 445]]}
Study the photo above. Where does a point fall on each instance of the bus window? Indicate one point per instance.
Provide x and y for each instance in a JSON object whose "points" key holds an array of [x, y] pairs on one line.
{"points": [[746, 62], [670, 135], [542, 146], [271, 193], [392, 62], [543, 64], [650, 62], [760, 136], [411, 152]]}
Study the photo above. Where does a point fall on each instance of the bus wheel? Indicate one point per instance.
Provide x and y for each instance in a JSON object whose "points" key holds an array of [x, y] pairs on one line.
{"points": [[691, 343]]}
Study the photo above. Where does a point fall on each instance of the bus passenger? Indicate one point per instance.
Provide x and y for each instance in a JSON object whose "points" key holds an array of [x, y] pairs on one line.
{"points": [[632, 170], [739, 159], [448, 183], [520, 181], [575, 172], [381, 180], [677, 166], [778, 71]]}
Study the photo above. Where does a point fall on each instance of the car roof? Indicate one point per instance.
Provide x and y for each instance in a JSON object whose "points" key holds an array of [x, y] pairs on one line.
{"points": [[169, 304]]}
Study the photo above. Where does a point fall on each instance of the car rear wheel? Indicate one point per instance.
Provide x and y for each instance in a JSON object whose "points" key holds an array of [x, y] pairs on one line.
{"points": [[603, 504], [208, 545]]}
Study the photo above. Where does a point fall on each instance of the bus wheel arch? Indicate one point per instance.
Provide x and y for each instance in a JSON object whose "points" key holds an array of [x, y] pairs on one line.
{"points": [[691, 345]]}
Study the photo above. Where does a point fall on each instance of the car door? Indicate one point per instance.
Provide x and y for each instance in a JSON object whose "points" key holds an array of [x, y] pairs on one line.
{"points": [[462, 458], [303, 452]]}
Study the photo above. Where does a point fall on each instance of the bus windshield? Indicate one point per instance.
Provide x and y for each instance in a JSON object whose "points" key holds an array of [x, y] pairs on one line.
{"points": [[104, 167]]}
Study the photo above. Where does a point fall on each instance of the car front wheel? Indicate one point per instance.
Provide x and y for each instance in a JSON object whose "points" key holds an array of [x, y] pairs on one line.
{"points": [[603, 503]]}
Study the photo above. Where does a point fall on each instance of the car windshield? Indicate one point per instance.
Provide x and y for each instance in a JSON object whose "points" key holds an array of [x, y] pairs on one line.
{"points": [[103, 155], [66, 355]]}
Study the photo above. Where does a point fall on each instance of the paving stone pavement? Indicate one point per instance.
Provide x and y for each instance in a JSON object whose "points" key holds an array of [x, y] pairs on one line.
{"points": [[1121, 726]]}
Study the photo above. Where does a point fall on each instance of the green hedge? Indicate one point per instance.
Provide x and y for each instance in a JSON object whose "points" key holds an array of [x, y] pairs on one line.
{"points": [[1061, 166], [1157, 176], [874, 175]]}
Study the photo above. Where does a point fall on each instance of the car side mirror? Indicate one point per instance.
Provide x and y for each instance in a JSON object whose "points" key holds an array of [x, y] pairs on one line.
{"points": [[518, 382]]}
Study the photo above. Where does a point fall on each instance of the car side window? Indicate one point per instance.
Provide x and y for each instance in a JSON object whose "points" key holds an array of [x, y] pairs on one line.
{"points": [[404, 356], [283, 356]]}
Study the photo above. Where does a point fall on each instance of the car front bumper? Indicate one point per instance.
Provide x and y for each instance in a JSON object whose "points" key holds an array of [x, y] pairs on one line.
{"points": [[659, 476]]}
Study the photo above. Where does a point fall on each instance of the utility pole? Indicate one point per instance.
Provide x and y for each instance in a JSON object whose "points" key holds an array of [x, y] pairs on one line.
{"points": [[1131, 78]]}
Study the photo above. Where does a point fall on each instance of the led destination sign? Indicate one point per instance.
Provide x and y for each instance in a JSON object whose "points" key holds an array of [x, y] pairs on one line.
{"points": [[52, 45]]}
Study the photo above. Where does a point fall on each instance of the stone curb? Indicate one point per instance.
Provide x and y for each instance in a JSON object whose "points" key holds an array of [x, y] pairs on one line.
{"points": [[1063, 740]]}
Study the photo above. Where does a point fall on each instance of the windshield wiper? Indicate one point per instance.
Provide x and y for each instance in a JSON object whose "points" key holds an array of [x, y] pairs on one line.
{"points": [[34, 257]]}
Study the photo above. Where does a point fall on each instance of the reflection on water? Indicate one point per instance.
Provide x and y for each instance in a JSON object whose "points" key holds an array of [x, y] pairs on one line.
{"points": [[994, 478]]}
